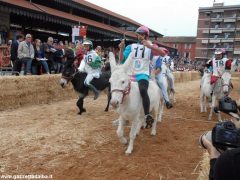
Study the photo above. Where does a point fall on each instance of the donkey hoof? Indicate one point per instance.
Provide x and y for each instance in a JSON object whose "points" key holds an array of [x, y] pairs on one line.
{"points": [[128, 152], [123, 140], [153, 133]]}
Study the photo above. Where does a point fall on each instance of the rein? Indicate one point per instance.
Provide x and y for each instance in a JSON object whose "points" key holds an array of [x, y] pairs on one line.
{"points": [[125, 91], [72, 76]]}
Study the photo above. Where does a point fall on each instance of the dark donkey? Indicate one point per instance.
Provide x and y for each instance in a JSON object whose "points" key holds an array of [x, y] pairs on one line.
{"points": [[71, 73]]}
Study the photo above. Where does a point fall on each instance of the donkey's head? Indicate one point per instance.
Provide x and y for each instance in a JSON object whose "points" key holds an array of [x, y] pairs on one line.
{"points": [[226, 82], [69, 69], [120, 82]]}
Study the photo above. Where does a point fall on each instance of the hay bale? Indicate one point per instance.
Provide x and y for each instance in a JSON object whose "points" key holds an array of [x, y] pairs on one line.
{"points": [[186, 76], [18, 91], [204, 167], [27, 90]]}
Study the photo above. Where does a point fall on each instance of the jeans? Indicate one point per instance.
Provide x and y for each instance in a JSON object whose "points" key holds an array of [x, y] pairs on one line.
{"points": [[35, 68], [159, 79], [27, 65]]}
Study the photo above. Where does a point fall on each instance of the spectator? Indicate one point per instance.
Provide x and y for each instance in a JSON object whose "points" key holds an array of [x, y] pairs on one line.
{"points": [[39, 59], [49, 50], [26, 54], [14, 55], [58, 59], [79, 54]]}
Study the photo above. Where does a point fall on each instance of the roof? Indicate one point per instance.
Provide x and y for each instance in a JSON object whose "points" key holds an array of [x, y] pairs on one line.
{"points": [[111, 13], [106, 11], [178, 39], [220, 7], [43, 9]]}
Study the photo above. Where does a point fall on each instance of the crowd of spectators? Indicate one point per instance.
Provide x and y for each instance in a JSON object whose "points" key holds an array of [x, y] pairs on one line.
{"points": [[184, 64], [34, 57]]}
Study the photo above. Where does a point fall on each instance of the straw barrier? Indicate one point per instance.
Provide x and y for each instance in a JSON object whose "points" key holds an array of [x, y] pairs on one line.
{"points": [[18, 91]]}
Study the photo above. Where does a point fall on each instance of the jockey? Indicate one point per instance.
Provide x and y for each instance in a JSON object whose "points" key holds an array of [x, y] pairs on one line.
{"points": [[157, 64], [170, 67], [140, 69], [91, 64], [217, 66]]}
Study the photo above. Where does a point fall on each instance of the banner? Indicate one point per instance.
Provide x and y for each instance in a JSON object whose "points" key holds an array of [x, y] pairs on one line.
{"points": [[79, 33]]}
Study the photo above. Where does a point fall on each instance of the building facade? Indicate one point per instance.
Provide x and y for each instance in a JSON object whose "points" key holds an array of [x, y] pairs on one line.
{"points": [[185, 45], [218, 27]]}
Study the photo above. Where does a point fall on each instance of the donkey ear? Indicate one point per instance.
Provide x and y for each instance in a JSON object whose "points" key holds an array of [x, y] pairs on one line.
{"points": [[128, 62], [112, 61]]}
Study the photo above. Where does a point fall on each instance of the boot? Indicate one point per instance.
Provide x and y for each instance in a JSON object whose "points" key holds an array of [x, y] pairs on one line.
{"points": [[169, 105], [149, 121], [96, 92]]}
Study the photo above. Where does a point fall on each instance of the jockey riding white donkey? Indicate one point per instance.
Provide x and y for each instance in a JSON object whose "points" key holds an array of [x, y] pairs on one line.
{"points": [[218, 65], [127, 100], [159, 75], [169, 63], [140, 69], [92, 65]]}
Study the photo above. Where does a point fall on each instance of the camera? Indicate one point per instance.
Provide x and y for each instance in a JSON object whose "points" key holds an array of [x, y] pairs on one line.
{"points": [[223, 136]]}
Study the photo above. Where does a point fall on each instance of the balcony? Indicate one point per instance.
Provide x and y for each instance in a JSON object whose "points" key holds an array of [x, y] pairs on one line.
{"points": [[227, 40], [216, 19], [236, 51], [206, 31], [204, 41], [214, 41], [230, 20], [216, 31]]}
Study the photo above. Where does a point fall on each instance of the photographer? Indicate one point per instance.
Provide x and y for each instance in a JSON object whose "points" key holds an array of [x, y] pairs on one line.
{"points": [[224, 166], [223, 144]]}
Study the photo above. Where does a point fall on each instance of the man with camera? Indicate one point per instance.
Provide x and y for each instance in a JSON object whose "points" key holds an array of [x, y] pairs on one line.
{"points": [[223, 144]]}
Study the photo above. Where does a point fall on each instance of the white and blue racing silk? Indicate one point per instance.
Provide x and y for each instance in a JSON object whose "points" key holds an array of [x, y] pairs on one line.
{"points": [[140, 68]]}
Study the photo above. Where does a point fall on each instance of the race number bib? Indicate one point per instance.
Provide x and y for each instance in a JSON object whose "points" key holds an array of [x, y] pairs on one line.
{"points": [[89, 59], [219, 63]]}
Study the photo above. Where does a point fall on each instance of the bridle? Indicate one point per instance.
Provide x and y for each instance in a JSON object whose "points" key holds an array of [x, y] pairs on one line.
{"points": [[125, 91], [72, 76]]}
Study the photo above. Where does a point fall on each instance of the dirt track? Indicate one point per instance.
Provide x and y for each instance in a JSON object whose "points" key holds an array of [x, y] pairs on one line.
{"points": [[52, 139]]}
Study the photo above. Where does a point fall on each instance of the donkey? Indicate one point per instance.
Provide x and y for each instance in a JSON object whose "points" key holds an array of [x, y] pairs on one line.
{"points": [[71, 73], [235, 65], [126, 99], [221, 87]]}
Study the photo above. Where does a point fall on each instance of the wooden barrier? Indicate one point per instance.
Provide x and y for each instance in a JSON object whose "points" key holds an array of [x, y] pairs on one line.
{"points": [[18, 91]]}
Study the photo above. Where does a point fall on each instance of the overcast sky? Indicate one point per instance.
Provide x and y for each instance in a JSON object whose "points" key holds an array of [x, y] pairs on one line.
{"points": [[168, 17]]}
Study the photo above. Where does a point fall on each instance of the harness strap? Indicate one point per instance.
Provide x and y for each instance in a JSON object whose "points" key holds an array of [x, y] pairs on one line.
{"points": [[125, 91]]}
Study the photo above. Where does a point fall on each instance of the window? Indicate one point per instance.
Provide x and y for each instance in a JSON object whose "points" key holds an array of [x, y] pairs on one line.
{"points": [[215, 36], [206, 22], [216, 26], [204, 53], [187, 46], [228, 26], [175, 46], [218, 16], [226, 35]]}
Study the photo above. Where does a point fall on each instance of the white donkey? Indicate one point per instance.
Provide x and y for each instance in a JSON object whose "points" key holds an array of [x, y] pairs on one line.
{"points": [[222, 87], [235, 65], [127, 99]]}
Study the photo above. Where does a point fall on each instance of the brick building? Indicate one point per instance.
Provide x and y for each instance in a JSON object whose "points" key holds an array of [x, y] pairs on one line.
{"points": [[218, 27], [185, 45]]}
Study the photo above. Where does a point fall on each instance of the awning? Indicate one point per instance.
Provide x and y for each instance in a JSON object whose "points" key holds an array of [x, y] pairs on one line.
{"points": [[56, 16]]}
